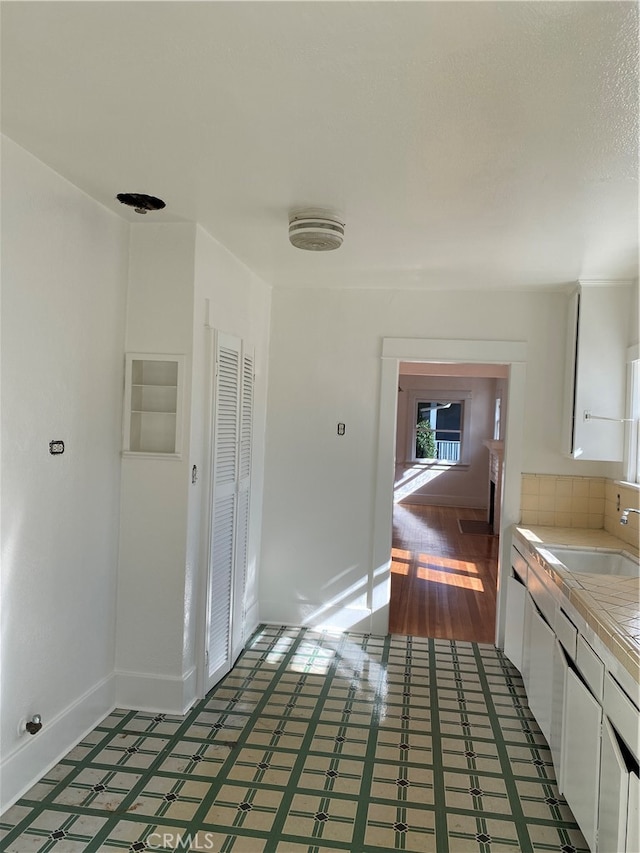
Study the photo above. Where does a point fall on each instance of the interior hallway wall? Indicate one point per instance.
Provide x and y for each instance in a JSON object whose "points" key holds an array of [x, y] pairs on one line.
{"points": [[325, 368], [64, 276]]}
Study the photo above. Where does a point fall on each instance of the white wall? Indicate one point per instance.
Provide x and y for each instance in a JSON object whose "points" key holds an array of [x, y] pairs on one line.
{"points": [[463, 485], [634, 315], [80, 288], [152, 595], [182, 284], [64, 274], [325, 367]]}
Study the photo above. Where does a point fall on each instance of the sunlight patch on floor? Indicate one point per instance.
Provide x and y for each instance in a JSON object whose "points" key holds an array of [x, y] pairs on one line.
{"points": [[451, 572]]}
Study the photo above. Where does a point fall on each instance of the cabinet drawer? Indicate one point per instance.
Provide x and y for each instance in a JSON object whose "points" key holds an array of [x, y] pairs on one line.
{"points": [[566, 632], [543, 598], [519, 564], [591, 667], [623, 714]]}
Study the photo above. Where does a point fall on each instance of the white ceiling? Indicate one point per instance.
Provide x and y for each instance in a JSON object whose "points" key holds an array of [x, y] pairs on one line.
{"points": [[466, 144]]}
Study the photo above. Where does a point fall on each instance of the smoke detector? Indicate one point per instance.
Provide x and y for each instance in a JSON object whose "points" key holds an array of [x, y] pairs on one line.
{"points": [[315, 231]]}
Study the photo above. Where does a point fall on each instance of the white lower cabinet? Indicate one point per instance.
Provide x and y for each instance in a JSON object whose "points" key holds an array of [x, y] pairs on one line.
{"points": [[614, 794], [526, 645], [633, 818], [589, 716], [540, 676], [514, 623], [581, 755], [560, 669]]}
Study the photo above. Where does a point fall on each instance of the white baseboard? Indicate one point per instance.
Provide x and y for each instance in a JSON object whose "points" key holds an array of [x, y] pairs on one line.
{"points": [[36, 754], [318, 616], [161, 694]]}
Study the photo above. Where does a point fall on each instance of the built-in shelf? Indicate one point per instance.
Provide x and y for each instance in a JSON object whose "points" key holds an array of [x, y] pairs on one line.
{"points": [[153, 404]]}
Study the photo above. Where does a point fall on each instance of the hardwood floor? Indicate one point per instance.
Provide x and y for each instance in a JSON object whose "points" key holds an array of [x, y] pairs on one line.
{"points": [[443, 582]]}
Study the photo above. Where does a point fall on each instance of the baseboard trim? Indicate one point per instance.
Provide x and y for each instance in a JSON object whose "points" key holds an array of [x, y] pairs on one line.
{"points": [[37, 754], [160, 694], [318, 616]]}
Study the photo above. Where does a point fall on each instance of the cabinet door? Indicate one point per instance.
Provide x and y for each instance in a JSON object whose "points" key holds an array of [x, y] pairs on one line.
{"points": [[581, 755], [514, 625], [526, 644], [560, 668], [245, 447], [633, 822], [226, 421], [614, 794], [231, 479], [596, 377], [541, 643]]}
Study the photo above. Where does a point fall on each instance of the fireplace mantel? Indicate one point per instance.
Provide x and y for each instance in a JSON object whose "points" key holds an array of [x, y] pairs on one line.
{"points": [[495, 446], [496, 455]]}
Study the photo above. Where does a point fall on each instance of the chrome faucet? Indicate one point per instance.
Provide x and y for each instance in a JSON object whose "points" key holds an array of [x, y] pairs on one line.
{"points": [[624, 518]]}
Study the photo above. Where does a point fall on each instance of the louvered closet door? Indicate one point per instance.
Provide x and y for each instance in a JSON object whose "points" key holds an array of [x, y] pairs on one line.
{"points": [[226, 432], [242, 504]]}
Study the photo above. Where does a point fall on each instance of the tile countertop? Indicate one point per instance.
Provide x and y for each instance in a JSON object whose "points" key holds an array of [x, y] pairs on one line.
{"points": [[609, 604]]}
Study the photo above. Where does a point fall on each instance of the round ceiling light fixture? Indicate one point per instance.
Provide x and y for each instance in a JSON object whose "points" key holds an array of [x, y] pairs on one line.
{"points": [[315, 231]]}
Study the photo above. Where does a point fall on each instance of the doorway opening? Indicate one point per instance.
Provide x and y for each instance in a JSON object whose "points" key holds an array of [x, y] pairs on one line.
{"points": [[448, 458], [456, 355]]}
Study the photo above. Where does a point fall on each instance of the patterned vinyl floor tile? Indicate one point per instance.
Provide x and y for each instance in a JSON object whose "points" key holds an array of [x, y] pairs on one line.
{"points": [[315, 742]]}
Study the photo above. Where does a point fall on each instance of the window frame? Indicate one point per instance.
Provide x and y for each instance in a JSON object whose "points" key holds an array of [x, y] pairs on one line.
{"points": [[429, 395], [632, 431]]}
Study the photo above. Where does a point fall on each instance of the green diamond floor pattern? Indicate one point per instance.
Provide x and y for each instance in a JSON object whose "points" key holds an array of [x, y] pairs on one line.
{"points": [[315, 742]]}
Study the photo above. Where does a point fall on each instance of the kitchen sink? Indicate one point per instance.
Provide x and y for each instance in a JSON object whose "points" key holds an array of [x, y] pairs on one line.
{"points": [[600, 562]]}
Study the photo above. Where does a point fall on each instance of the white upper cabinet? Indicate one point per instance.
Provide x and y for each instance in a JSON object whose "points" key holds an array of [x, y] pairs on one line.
{"points": [[595, 386]]}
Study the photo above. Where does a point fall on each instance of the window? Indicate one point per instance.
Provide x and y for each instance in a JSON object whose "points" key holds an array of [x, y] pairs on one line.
{"points": [[438, 429], [437, 422], [633, 434], [496, 419]]}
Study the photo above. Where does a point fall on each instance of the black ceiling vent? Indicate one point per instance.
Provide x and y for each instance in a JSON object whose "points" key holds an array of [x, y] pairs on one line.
{"points": [[140, 202]]}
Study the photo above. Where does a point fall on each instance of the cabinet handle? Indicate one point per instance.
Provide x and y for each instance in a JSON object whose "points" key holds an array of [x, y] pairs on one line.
{"points": [[589, 417]]}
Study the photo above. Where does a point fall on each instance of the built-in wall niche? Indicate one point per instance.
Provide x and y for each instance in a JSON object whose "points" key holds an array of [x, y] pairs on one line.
{"points": [[153, 404]]}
